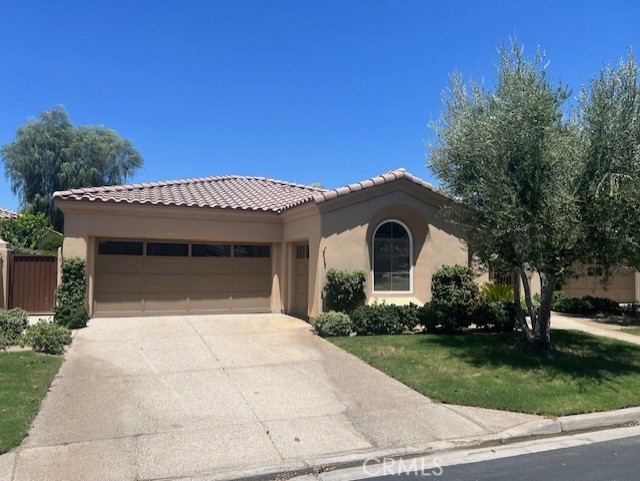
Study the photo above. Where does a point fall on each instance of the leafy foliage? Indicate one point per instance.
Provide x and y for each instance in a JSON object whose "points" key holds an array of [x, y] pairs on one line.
{"points": [[71, 309], [13, 322], [496, 292], [610, 178], [454, 294], [51, 154], [47, 337], [538, 189], [378, 319], [30, 233], [332, 323], [495, 315], [587, 305], [344, 291]]}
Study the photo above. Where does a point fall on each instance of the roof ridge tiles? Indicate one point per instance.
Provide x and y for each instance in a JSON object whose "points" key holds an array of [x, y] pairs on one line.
{"points": [[251, 193]]}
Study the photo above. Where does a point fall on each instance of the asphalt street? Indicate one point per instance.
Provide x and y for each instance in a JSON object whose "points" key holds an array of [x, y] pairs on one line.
{"points": [[617, 460]]}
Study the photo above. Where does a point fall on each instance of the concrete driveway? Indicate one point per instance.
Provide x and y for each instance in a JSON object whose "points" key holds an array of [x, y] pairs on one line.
{"points": [[214, 397]]}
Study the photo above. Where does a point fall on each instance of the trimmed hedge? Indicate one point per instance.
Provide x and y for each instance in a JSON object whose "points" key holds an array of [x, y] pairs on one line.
{"points": [[587, 305], [13, 322], [344, 291], [47, 337], [454, 294], [71, 309], [333, 324]]}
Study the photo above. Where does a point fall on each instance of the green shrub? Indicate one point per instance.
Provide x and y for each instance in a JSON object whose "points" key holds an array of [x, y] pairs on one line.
{"points": [[13, 322], [4, 342], [556, 299], [455, 294], [47, 337], [332, 324], [71, 309], [409, 316], [604, 305], [495, 316], [587, 305], [491, 292], [433, 318], [377, 319], [344, 291]]}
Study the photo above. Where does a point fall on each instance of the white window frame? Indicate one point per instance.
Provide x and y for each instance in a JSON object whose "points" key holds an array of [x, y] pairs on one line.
{"points": [[373, 238]]}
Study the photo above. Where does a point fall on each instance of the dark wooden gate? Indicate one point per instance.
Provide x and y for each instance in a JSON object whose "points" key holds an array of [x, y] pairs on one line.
{"points": [[32, 282]]}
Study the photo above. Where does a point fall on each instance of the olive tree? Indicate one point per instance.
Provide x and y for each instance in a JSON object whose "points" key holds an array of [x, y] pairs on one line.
{"points": [[511, 158], [610, 183], [542, 185]]}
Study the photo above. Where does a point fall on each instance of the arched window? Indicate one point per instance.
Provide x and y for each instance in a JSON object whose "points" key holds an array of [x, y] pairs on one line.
{"points": [[392, 257]]}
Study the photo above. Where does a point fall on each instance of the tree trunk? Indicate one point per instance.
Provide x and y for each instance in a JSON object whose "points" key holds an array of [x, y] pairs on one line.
{"points": [[538, 335], [543, 335]]}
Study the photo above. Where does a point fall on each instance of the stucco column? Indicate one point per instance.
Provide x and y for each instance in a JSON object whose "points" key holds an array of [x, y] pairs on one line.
{"points": [[4, 277], [637, 285]]}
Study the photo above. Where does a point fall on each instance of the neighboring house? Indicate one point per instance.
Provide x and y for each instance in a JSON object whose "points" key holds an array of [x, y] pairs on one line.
{"points": [[7, 214], [250, 244], [623, 286]]}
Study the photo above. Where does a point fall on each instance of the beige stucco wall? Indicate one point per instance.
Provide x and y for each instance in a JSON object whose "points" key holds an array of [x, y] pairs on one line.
{"points": [[622, 286], [348, 225], [4, 274], [303, 225]]}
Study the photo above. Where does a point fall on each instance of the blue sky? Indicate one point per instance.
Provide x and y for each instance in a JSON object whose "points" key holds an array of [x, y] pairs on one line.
{"points": [[308, 91]]}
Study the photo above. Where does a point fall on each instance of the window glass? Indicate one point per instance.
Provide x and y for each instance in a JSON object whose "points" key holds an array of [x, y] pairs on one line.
{"points": [[391, 258], [251, 250], [302, 252], [167, 249], [120, 248], [210, 250]]}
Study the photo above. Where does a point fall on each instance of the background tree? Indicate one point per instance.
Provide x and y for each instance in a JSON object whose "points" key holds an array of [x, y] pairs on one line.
{"points": [[51, 154], [511, 159], [610, 183]]}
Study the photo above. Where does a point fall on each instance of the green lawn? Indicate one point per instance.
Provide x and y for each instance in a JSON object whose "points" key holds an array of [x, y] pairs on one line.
{"points": [[24, 379], [587, 374], [632, 330]]}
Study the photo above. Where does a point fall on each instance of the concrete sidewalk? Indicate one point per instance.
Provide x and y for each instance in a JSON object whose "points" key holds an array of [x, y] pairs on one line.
{"points": [[222, 397], [592, 326]]}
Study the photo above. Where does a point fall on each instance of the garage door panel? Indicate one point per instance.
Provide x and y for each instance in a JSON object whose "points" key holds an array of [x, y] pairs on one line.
{"points": [[166, 283], [121, 283], [118, 302], [119, 264], [210, 265], [251, 302], [252, 265], [210, 302], [210, 283], [164, 265], [168, 302], [251, 283]]}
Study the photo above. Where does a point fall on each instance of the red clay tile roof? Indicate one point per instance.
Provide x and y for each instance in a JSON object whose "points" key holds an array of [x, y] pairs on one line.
{"points": [[230, 192], [226, 192], [391, 176], [7, 214]]}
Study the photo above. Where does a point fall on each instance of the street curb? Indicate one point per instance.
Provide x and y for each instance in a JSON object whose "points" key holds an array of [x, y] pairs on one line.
{"points": [[327, 468]]}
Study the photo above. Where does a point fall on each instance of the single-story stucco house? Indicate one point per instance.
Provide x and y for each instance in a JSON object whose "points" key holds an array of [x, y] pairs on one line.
{"points": [[252, 244]]}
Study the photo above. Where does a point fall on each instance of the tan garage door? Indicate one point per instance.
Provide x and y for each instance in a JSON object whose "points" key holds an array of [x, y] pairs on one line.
{"points": [[149, 277]]}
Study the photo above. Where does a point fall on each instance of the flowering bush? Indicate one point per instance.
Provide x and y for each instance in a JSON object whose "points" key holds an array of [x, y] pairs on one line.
{"points": [[455, 296]]}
